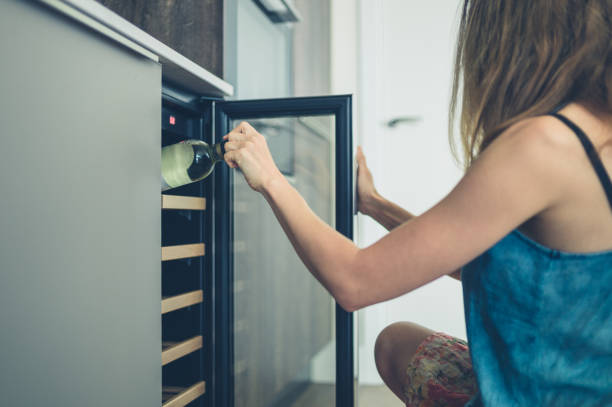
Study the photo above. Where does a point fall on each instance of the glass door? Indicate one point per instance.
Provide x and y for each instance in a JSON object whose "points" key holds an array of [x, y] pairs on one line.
{"points": [[280, 338]]}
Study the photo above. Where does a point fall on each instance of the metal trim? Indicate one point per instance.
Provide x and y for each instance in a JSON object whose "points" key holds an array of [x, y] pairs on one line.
{"points": [[99, 27]]}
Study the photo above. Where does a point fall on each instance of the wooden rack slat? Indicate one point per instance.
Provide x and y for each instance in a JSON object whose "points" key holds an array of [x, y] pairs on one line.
{"points": [[184, 396], [173, 303], [182, 251], [183, 202], [172, 351]]}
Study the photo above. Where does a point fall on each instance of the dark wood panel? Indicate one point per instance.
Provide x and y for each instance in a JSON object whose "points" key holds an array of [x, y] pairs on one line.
{"points": [[194, 28]]}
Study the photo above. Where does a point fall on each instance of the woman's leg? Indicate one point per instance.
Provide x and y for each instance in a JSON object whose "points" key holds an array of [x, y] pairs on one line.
{"points": [[394, 349]]}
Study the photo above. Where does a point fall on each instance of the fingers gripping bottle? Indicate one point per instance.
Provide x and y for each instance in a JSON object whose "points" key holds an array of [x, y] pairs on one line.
{"points": [[188, 161]]}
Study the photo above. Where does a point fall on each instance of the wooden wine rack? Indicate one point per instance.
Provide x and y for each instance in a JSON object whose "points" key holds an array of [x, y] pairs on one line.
{"points": [[176, 302], [183, 202], [183, 251], [172, 351], [178, 396]]}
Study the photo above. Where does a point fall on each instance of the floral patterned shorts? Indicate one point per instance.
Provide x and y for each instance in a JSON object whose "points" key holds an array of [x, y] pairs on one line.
{"points": [[440, 373]]}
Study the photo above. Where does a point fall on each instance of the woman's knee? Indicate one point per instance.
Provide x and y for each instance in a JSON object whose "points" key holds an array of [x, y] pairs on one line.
{"points": [[396, 344], [385, 344]]}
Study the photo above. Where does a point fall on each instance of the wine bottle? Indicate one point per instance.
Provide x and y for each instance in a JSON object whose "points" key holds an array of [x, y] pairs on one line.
{"points": [[188, 161]]}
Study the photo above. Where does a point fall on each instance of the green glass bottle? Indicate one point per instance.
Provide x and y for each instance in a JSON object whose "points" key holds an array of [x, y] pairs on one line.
{"points": [[188, 161]]}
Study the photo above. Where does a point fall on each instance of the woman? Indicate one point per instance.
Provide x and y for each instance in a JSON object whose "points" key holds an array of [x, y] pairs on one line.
{"points": [[529, 225]]}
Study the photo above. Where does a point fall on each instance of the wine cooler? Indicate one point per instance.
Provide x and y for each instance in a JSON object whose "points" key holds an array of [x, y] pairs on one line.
{"points": [[243, 322], [114, 293], [186, 293]]}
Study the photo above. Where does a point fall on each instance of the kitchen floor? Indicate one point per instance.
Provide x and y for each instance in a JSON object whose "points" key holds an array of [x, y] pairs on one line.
{"points": [[323, 395]]}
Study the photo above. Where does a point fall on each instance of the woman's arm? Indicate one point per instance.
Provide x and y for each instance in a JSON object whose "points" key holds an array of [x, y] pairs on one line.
{"points": [[371, 203], [513, 180], [387, 213]]}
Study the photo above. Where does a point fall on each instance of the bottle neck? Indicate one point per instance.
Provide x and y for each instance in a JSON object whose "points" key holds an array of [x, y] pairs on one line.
{"points": [[219, 150]]}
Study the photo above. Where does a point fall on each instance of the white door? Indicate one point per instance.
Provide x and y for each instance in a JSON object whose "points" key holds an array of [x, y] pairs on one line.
{"points": [[406, 61]]}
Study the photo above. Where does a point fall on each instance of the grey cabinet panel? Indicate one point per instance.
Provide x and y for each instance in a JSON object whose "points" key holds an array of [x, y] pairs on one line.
{"points": [[80, 266]]}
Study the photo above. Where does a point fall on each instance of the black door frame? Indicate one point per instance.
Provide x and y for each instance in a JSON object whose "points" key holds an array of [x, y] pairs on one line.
{"points": [[224, 111]]}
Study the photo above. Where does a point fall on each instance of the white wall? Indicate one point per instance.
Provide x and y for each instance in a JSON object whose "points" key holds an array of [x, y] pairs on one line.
{"points": [[397, 56]]}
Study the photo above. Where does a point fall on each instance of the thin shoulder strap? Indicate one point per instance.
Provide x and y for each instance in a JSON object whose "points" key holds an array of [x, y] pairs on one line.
{"points": [[604, 178]]}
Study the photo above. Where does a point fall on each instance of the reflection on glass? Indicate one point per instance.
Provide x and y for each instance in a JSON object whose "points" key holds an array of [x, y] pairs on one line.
{"points": [[284, 346]]}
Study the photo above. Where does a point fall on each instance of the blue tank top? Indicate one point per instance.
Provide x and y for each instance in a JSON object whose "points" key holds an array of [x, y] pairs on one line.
{"points": [[539, 320]]}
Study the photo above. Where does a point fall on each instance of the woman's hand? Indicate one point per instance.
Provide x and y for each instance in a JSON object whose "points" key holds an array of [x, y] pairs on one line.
{"points": [[247, 149], [366, 192]]}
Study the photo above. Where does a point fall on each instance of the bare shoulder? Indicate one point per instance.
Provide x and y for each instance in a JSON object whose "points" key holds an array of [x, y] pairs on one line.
{"points": [[540, 133], [538, 148], [530, 160]]}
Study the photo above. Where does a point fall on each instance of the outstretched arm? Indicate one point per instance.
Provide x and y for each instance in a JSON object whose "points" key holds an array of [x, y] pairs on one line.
{"points": [[508, 184], [371, 203]]}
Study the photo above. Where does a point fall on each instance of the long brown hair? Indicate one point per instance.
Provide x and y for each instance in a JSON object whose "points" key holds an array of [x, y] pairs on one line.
{"points": [[522, 58]]}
